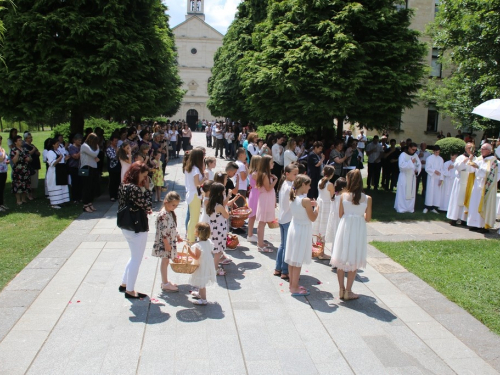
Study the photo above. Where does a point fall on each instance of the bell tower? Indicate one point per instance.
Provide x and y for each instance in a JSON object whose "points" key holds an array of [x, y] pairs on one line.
{"points": [[196, 8]]}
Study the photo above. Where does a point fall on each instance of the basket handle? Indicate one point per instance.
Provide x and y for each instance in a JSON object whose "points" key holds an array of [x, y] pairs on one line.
{"points": [[185, 249], [244, 204]]}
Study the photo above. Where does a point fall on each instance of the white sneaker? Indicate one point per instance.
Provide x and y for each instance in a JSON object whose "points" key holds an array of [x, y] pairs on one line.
{"points": [[200, 302], [56, 207], [252, 238], [425, 210], [434, 211]]}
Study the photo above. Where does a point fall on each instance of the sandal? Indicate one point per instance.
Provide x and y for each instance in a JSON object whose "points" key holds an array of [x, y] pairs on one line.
{"points": [[169, 288], [285, 277], [92, 207], [225, 262], [86, 208], [302, 293], [341, 293], [264, 250], [220, 272], [201, 302], [348, 294], [277, 273]]}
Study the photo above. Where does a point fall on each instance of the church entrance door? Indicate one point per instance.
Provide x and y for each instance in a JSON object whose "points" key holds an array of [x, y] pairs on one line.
{"points": [[192, 118]]}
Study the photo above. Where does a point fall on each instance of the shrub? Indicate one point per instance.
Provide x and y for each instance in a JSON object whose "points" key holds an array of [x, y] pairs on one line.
{"points": [[153, 119], [108, 127], [290, 130], [450, 146]]}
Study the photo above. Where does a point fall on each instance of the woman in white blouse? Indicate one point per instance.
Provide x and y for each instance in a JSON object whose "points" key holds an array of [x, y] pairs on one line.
{"points": [[289, 156]]}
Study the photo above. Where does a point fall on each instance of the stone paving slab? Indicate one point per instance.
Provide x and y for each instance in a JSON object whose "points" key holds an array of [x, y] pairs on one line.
{"points": [[73, 320]]}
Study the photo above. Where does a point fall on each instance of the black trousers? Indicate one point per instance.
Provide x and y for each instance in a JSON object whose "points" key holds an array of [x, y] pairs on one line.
{"points": [[386, 175], [373, 174], [219, 145], [277, 171], [114, 182], [76, 184], [91, 187], [3, 180], [209, 141], [422, 176]]}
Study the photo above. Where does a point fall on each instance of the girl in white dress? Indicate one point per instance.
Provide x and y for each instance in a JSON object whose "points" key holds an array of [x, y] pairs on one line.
{"points": [[333, 219], [349, 249], [326, 191], [201, 252], [299, 238], [204, 218]]}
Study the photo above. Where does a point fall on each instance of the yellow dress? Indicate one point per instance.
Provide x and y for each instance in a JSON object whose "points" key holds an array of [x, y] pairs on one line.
{"points": [[158, 174]]}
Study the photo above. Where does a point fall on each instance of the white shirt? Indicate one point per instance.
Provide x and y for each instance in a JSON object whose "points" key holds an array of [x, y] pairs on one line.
{"points": [[497, 152], [284, 213], [173, 135], [361, 141], [374, 157], [423, 155], [289, 157], [189, 183], [278, 154], [253, 149], [243, 181]]}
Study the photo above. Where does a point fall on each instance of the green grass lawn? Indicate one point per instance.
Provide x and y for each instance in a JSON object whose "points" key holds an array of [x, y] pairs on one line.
{"points": [[465, 271]]}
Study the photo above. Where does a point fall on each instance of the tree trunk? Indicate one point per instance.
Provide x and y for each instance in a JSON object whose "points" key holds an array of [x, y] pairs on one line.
{"points": [[77, 121], [1, 124], [340, 127]]}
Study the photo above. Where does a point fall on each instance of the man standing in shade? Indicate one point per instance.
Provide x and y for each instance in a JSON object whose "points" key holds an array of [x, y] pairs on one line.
{"points": [[278, 156], [409, 168], [423, 154], [435, 177], [374, 151], [482, 204]]}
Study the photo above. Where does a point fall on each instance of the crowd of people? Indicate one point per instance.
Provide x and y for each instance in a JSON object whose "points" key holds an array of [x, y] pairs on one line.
{"points": [[317, 188]]}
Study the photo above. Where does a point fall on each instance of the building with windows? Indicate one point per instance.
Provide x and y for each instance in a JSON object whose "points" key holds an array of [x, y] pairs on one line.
{"points": [[196, 43], [423, 122]]}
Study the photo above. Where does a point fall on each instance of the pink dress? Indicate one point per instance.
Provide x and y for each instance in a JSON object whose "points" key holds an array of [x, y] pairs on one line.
{"points": [[266, 205], [254, 197]]}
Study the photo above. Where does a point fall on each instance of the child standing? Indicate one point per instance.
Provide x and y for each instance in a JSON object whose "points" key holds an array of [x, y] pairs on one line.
{"points": [[253, 198], [333, 219], [157, 174], [166, 238], [265, 182], [202, 253], [299, 238], [206, 194], [326, 192], [210, 163], [218, 216], [284, 218], [349, 248]]}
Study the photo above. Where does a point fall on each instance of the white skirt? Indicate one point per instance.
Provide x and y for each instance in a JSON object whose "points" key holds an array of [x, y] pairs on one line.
{"points": [[350, 245], [299, 244], [321, 223]]}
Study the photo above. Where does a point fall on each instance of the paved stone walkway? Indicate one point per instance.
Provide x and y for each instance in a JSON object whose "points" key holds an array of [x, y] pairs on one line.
{"points": [[63, 314]]}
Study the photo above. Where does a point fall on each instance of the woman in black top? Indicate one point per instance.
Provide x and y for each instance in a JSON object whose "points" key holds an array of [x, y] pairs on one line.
{"points": [[34, 164], [314, 164]]}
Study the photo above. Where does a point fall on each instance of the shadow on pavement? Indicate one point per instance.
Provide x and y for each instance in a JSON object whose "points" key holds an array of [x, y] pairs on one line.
{"points": [[199, 313], [236, 272], [368, 305], [146, 312]]}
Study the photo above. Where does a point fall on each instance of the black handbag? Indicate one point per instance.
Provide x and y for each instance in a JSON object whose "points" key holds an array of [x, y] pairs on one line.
{"points": [[132, 220], [61, 174], [83, 172]]}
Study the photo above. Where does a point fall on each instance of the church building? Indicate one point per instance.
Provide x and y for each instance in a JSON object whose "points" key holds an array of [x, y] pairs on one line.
{"points": [[196, 43]]}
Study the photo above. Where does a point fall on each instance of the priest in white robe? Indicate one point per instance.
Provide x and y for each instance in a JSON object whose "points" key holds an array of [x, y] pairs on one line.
{"points": [[449, 178], [434, 168], [409, 167], [482, 205], [457, 212]]}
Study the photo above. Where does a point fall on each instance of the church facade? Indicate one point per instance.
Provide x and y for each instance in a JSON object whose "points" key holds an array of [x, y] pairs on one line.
{"points": [[196, 43]]}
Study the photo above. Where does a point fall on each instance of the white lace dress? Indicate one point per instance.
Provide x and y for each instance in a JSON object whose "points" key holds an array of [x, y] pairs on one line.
{"points": [[324, 203], [205, 274], [299, 239], [333, 221], [350, 245]]}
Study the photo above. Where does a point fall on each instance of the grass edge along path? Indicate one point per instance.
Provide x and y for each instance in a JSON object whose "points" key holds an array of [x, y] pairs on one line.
{"points": [[465, 271]]}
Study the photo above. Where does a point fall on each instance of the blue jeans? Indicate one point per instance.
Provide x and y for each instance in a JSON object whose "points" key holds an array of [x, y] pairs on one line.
{"points": [[188, 216], [280, 257]]}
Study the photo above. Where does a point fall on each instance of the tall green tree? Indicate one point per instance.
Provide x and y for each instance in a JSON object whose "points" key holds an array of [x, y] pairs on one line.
{"points": [[101, 57], [225, 89], [314, 61], [467, 32]]}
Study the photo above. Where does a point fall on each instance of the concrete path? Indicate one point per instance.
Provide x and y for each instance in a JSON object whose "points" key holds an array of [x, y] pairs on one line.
{"points": [[63, 314]]}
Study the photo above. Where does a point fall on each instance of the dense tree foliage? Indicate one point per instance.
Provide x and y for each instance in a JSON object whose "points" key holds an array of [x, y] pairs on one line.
{"points": [[467, 32], [103, 57], [313, 61], [225, 89]]}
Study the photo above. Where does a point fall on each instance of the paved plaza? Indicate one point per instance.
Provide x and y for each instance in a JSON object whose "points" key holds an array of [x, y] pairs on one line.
{"points": [[63, 313]]}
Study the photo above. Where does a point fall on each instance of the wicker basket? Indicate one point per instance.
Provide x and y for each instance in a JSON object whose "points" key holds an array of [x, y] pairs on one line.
{"points": [[318, 246], [239, 215], [232, 241], [182, 264], [273, 224]]}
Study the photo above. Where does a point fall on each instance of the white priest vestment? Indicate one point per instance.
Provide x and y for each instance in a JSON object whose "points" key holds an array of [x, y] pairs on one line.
{"points": [[433, 191], [407, 182], [456, 208], [474, 218], [449, 178]]}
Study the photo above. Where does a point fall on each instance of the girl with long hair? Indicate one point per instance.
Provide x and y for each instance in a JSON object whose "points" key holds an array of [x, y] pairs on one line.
{"points": [[266, 204], [253, 198], [88, 160], [218, 216], [299, 238], [349, 248], [326, 192], [194, 177]]}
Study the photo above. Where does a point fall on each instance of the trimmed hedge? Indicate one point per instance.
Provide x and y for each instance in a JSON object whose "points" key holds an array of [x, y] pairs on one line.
{"points": [[108, 127], [449, 146], [290, 130]]}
